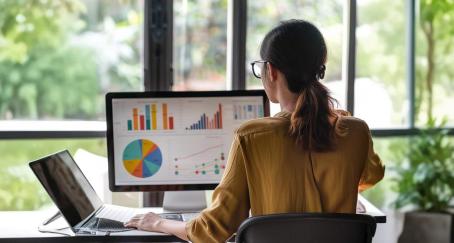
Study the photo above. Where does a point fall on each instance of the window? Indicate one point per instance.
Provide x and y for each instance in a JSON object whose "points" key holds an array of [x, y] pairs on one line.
{"points": [[434, 58], [200, 44], [58, 58], [381, 97], [19, 188], [326, 15], [61, 57]]}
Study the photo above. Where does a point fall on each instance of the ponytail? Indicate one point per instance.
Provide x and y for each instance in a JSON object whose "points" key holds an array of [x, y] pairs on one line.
{"points": [[297, 48], [310, 121]]}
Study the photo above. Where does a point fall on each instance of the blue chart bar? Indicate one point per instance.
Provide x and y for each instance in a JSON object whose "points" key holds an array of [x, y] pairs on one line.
{"points": [[147, 116], [202, 119]]}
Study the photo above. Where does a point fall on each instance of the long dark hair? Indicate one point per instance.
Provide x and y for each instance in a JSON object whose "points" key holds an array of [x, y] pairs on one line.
{"points": [[298, 50]]}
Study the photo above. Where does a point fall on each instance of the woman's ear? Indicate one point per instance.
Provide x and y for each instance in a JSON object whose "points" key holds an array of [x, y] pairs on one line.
{"points": [[272, 72]]}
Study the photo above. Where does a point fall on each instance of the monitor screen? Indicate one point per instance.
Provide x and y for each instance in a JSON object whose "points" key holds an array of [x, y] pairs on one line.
{"points": [[67, 186], [175, 140]]}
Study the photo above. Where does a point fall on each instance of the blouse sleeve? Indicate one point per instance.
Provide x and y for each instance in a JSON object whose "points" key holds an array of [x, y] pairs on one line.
{"points": [[230, 204], [373, 170]]}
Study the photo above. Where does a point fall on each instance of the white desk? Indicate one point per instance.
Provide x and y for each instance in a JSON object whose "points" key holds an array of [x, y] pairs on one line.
{"points": [[22, 226]]}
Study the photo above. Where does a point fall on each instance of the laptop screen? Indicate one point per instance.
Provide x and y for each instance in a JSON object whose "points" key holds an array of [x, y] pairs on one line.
{"points": [[67, 186]]}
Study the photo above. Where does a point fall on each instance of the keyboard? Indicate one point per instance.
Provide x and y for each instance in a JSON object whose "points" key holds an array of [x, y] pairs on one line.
{"points": [[99, 224], [111, 218], [110, 225]]}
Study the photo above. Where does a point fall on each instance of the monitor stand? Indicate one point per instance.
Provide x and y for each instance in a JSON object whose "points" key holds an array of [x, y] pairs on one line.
{"points": [[184, 201]]}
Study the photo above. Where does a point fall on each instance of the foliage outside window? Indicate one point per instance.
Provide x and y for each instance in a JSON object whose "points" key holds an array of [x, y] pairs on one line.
{"points": [[59, 57], [434, 58], [19, 188], [57, 60], [425, 179], [200, 44], [423, 166], [381, 97]]}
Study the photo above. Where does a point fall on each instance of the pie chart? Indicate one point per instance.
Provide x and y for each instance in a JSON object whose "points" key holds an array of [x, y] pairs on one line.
{"points": [[142, 158]]}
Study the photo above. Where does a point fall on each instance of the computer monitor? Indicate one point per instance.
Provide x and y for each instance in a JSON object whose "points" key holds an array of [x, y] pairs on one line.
{"points": [[174, 141]]}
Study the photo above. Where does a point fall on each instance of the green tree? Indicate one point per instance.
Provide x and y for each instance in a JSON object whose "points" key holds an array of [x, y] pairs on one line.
{"points": [[41, 74], [49, 85], [437, 23], [57, 59], [25, 25]]}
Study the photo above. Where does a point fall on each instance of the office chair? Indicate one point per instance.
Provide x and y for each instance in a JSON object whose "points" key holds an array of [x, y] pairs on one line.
{"points": [[307, 228]]}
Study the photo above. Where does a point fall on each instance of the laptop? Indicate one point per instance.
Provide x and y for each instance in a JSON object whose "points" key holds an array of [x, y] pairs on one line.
{"points": [[77, 200]]}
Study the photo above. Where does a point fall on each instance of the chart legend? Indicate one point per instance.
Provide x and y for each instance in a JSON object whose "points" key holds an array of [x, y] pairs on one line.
{"points": [[246, 112]]}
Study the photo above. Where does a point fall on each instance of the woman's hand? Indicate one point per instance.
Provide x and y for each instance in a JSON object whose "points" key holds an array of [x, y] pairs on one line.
{"points": [[148, 222], [152, 222]]}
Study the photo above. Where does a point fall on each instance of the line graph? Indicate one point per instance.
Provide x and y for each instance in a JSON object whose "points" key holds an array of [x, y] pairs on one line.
{"points": [[197, 153], [208, 161]]}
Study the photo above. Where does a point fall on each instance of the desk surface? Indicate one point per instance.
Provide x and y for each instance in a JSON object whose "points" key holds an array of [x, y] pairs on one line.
{"points": [[22, 226]]}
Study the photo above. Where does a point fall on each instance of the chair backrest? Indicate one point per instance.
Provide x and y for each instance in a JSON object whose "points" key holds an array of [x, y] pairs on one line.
{"points": [[307, 228]]}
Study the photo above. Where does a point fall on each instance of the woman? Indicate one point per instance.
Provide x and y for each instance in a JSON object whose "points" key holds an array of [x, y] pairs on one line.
{"points": [[307, 158]]}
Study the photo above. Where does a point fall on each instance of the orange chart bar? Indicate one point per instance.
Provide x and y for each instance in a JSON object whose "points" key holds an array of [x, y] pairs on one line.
{"points": [[164, 116], [135, 118], [154, 124]]}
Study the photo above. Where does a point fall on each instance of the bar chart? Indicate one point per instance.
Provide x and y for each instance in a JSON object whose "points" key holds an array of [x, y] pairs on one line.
{"points": [[205, 122], [147, 118]]}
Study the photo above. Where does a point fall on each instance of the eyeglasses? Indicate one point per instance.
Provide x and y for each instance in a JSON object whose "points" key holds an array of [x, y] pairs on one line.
{"points": [[257, 67]]}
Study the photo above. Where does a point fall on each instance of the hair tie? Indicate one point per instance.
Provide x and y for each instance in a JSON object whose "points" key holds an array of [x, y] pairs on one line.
{"points": [[322, 70]]}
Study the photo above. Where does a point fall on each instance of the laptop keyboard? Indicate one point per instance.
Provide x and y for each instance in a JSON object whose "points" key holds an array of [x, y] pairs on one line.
{"points": [[100, 224], [111, 218], [116, 213], [109, 225]]}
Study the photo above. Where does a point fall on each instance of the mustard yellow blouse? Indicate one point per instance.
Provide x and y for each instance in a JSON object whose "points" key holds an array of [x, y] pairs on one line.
{"points": [[267, 173]]}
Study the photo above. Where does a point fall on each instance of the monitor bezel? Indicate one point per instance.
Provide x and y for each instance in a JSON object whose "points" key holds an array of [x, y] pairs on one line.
{"points": [[164, 94]]}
